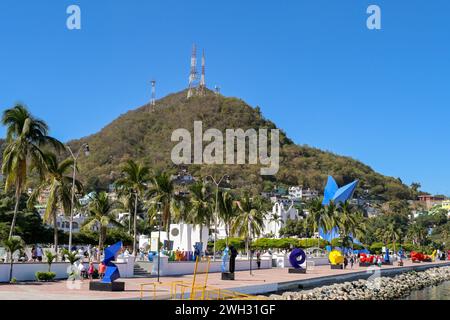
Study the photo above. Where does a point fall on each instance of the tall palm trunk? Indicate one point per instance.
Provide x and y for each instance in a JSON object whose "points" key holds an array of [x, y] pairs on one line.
{"points": [[135, 225], [16, 210], [55, 233], [101, 241]]}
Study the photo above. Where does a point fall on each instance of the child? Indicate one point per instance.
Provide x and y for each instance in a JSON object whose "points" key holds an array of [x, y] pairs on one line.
{"points": [[91, 270], [101, 270]]}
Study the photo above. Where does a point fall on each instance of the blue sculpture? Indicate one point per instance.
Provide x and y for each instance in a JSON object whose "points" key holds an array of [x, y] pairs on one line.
{"points": [[198, 250], [112, 272], [225, 259], [294, 258], [333, 193], [338, 195]]}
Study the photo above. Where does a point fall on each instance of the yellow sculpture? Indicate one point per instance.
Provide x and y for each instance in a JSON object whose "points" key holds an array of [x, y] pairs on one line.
{"points": [[433, 255], [336, 257]]}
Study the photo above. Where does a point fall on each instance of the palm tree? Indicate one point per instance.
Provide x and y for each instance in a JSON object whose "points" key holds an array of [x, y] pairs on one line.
{"points": [[201, 209], [416, 233], [25, 135], [345, 220], [72, 257], [12, 245], [316, 217], [60, 187], [227, 211], [162, 191], [102, 214], [250, 221], [134, 181], [393, 233], [50, 258]]}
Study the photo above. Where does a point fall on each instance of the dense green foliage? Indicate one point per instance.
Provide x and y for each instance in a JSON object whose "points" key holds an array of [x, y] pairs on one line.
{"points": [[45, 276], [146, 137]]}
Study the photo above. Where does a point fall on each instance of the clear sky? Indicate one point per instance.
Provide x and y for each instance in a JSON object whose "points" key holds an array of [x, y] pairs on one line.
{"points": [[312, 66]]}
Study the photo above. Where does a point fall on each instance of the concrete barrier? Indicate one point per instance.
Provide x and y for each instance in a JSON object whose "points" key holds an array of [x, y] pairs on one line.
{"points": [[177, 268], [26, 271]]}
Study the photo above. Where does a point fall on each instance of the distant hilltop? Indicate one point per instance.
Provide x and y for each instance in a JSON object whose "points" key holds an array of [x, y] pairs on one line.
{"points": [[144, 134]]}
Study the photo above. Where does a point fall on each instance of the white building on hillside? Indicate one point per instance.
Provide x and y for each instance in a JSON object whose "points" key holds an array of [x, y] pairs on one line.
{"points": [[298, 192]]}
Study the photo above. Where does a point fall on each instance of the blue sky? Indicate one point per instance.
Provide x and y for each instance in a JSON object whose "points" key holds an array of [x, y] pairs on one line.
{"points": [[312, 66]]}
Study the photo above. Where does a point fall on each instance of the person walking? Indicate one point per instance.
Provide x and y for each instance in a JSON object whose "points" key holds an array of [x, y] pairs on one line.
{"points": [[91, 270], [258, 259], [39, 253], [101, 270], [352, 261], [82, 270], [33, 254]]}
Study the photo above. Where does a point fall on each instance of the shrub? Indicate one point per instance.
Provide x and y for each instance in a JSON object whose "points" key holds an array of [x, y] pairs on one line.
{"points": [[238, 243], [376, 247], [287, 243], [45, 276]]}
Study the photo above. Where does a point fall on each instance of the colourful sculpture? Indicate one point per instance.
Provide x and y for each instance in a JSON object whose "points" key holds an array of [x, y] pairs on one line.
{"points": [[225, 259], [112, 272], [297, 258], [336, 257], [420, 257], [333, 193], [364, 258], [338, 195]]}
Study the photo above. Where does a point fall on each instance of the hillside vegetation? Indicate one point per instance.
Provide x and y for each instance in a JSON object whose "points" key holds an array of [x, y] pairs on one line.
{"points": [[145, 135]]}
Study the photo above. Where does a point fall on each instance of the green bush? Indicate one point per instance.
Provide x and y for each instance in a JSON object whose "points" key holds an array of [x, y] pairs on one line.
{"points": [[238, 243], [45, 276], [287, 243], [376, 247]]}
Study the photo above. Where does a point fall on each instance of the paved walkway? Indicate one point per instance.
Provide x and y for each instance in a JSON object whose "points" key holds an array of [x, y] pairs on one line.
{"points": [[261, 279]]}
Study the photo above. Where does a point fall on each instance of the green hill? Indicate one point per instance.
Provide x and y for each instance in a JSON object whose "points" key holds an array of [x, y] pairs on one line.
{"points": [[144, 135]]}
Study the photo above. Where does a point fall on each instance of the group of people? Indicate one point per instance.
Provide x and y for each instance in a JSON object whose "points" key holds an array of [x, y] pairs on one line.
{"points": [[89, 273]]}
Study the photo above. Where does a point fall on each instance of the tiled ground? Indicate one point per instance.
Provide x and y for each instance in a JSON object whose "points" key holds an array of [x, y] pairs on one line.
{"points": [[63, 290]]}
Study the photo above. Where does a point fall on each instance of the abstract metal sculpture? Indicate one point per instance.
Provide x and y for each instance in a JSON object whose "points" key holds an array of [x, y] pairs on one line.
{"points": [[336, 259], [112, 272], [338, 195], [225, 257], [333, 193], [297, 258]]}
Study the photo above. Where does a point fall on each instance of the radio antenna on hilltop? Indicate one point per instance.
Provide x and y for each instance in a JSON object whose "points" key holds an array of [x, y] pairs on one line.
{"points": [[153, 101], [202, 79], [193, 74]]}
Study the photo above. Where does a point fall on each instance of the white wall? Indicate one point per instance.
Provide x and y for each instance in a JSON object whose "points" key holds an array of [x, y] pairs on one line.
{"points": [[26, 271], [183, 268]]}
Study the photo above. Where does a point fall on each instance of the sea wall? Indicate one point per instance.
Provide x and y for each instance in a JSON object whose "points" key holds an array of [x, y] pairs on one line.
{"points": [[374, 288]]}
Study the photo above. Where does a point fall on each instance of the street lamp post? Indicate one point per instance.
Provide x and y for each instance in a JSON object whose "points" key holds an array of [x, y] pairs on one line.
{"points": [[216, 213], [250, 243], [75, 157], [135, 224]]}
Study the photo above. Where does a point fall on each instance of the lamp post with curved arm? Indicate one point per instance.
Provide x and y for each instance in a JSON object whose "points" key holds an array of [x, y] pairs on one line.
{"points": [[75, 157], [216, 213]]}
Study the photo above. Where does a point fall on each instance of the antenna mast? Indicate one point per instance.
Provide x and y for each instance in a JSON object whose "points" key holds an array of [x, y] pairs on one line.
{"points": [[153, 101], [193, 74], [202, 79]]}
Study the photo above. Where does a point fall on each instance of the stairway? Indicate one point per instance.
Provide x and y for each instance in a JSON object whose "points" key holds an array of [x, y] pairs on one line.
{"points": [[140, 272]]}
